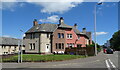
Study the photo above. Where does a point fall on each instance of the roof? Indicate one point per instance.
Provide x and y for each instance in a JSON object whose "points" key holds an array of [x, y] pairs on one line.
{"points": [[45, 27], [76, 30], [88, 34], [9, 41], [64, 26]]}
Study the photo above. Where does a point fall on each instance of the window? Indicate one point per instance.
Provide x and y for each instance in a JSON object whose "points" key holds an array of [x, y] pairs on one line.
{"points": [[15, 48], [69, 36], [56, 46], [62, 45], [47, 35], [33, 35], [79, 45], [30, 36], [59, 36], [78, 37], [62, 35], [70, 45], [59, 45], [32, 46], [3, 47]]}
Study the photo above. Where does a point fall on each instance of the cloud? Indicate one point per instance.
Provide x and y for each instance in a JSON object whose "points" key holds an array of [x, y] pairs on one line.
{"points": [[22, 4], [47, 6], [8, 4], [51, 19], [101, 33], [57, 7], [6, 36]]}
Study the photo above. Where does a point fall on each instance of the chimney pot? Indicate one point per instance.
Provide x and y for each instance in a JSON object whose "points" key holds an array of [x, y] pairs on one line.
{"points": [[75, 25], [84, 30], [61, 21], [35, 22]]}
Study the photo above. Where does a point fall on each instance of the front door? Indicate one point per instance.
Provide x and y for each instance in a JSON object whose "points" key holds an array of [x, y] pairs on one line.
{"points": [[47, 47]]}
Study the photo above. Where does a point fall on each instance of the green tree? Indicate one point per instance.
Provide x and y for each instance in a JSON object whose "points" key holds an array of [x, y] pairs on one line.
{"points": [[115, 41]]}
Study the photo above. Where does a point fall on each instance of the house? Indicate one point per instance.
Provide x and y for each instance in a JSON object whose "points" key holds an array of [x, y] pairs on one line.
{"points": [[59, 37], [48, 38], [9, 45], [38, 39]]}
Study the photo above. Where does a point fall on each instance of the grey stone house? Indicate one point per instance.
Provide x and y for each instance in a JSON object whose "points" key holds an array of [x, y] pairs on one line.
{"points": [[38, 39], [9, 45]]}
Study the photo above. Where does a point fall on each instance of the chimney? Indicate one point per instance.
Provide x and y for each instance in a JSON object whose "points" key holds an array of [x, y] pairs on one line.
{"points": [[84, 30], [35, 22], [61, 21], [75, 25]]}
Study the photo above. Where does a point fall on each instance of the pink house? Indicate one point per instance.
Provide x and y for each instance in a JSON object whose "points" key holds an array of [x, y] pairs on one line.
{"points": [[71, 38], [75, 38]]}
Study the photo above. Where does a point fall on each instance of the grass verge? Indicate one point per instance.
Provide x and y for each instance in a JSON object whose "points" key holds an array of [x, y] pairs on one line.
{"points": [[41, 58]]}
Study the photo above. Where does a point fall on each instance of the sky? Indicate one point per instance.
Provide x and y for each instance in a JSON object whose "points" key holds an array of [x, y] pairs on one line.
{"points": [[18, 16]]}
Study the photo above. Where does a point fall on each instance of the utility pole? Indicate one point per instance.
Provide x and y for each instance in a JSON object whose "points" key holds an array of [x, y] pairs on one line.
{"points": [[95, 9], [21, 46], [18, 51]]}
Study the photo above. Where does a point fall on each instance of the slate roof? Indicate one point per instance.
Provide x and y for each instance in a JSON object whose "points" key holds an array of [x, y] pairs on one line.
{"points": [[9, 41], [45, 27], [76, 30], [64, 26], [88, 34]]}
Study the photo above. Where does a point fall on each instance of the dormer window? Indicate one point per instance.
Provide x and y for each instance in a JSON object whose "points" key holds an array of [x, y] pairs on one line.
{"points": [[69, 36]]}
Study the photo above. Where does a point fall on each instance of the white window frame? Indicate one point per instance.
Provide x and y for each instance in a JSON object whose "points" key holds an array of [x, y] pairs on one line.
{"points": [[69, 36]]}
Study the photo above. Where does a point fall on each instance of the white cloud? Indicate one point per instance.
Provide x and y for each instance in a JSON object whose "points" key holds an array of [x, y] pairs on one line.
{"points": [[8, 4], [57, 7], [47, 6], [101, 33], [6, 36], [51, 19], [22, 4]]}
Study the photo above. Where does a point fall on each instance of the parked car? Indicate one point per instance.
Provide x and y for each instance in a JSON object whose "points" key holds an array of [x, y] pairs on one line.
{"points": [[109, 51], [104, 50]]}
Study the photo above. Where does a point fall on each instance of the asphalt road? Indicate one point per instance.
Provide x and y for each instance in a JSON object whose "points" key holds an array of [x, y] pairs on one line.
{"points": [[105, 61]]}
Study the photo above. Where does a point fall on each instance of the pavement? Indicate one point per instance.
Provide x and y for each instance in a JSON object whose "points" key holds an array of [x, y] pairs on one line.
{"points": [[103, 61]]}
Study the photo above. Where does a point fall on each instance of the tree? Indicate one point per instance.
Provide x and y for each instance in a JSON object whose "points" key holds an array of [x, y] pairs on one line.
{"points": [[115, 41]]}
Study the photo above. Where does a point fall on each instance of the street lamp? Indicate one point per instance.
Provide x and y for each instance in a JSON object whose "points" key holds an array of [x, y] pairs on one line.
{"points": [[21, 45], [95, 27]]}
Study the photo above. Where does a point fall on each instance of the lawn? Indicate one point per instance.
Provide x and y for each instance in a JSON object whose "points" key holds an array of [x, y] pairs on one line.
{"points": [[42, 58]]}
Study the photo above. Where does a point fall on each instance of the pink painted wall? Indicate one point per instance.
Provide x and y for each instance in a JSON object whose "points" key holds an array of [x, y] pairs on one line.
{"points": [[81, 41], [75, 38]]}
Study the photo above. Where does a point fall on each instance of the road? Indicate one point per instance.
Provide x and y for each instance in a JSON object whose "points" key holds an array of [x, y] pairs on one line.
{"points": [[101, 61]]}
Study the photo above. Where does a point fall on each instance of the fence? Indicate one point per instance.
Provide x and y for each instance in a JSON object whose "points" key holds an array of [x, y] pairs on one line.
{"points": [[80, 51]]}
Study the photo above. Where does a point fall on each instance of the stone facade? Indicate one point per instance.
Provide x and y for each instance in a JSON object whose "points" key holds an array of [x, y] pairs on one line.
{"points": [[59, 40]]}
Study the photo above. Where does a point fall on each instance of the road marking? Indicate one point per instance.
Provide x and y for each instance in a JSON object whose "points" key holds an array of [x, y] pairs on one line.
{"points": [[108, 66], [112, 63]]}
